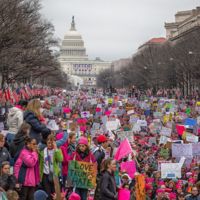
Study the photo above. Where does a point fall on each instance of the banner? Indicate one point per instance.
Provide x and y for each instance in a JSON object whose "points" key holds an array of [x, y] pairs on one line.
{"points": [[82, 174], [179, 150], [170, 170]]}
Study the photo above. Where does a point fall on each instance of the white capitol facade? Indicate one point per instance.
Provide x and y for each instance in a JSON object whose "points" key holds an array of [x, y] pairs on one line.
{"points": [[75, 62]]}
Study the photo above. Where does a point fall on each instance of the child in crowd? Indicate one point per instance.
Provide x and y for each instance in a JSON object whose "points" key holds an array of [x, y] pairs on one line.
{"points": [[7, 180], [4, 153], [50, 160], [26, 169]]}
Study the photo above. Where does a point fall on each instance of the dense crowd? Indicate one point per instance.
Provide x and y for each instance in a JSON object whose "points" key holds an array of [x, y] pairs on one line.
{"points": [[83, 146]]}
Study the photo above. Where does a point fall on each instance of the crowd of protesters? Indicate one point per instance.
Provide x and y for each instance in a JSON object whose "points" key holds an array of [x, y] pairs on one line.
{"points": [[130, 138]]}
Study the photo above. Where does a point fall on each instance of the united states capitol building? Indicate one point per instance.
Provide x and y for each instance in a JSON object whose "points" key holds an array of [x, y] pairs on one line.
{"points": [[74, 60]]}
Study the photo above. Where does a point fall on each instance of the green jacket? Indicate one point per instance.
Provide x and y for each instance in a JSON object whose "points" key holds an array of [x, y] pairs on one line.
{"points": [[57, 161]]}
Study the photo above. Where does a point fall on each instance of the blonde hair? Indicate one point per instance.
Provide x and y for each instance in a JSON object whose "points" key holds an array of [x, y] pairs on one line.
{"points": [[34, 106], [12, 195]]}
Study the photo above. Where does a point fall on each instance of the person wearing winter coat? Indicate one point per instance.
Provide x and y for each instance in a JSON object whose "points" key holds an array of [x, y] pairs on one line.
{"points": [[194, 194], [100, 155], [50, 160], [26, 169], [19, 141], [7, 180], [84, 154], [107, 183], [32, 116], [15, 119], [4, 153], [67, 149]]}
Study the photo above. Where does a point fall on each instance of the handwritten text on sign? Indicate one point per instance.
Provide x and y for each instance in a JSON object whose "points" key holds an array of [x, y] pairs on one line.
{"points": [[82, 174]]}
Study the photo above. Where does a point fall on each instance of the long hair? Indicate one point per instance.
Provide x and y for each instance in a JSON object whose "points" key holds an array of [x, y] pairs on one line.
{"points": [[105, 164], [34, 106]]}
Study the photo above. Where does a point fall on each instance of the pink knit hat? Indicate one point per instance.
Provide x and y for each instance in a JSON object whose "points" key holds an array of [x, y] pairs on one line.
{"points": [[83, 140], [74, 196]]}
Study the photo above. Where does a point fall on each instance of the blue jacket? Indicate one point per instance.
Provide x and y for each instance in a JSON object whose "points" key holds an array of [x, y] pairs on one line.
{"points": [[38, 130]]}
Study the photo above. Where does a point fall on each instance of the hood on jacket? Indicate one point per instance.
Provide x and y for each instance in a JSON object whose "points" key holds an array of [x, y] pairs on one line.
{"points": [[19, 138], [13, 111]]}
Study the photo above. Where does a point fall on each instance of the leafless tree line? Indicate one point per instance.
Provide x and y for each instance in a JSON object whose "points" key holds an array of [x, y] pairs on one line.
{"points": [[26, 45], [170, 65]]}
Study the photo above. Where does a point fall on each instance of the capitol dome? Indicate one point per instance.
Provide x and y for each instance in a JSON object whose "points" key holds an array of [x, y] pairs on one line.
{"points": [[73, 45]]}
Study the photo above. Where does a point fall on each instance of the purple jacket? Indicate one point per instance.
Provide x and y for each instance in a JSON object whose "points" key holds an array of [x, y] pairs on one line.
{"points": [[26, 168]]}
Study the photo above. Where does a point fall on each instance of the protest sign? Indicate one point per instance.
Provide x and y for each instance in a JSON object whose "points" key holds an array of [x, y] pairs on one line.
{"points": [[196, 149], [163, 139], [110, 100], [152, 140], [136, 128], [142, 123], [82, 174], [93, 102], [198, 120], [130, 112], [191, 138], [112, 125], [179, 150], [162, 161], [181, 161], [157, 115], [164, 152], [190, 122], [170, 170], [133, 119], [96, 126], [123, 150], [85, 114], [125, 134], [166, 132], [180, 129], [129, 167], [124, 194]]}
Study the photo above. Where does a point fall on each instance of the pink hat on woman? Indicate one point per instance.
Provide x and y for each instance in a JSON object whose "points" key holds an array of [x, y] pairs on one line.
{"points": [[83, 140], [74, 196]]}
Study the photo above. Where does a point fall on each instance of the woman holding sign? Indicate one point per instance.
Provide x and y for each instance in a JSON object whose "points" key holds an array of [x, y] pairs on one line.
{"points": [[83, 154]]}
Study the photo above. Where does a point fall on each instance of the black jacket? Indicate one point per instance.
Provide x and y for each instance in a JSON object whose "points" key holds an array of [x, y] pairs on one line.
{"points": [[193, 197], [8, 182], [38, 130], [17, 145], [99, 155], [4, 155], [108, 187]]}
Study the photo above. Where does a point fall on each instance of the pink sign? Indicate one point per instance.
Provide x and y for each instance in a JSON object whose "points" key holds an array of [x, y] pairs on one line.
{"points": [[123, 150], [124, 194], [129, 167]]}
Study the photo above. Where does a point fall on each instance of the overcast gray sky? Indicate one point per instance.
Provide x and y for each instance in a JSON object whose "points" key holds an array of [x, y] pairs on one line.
{"points": [[114, 29]]}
